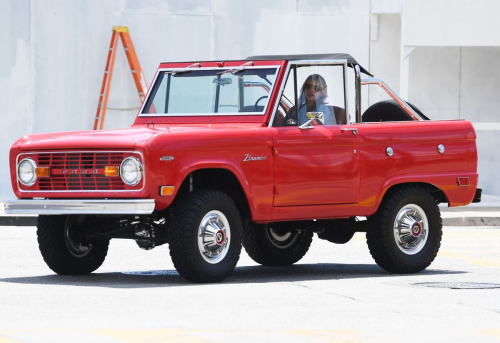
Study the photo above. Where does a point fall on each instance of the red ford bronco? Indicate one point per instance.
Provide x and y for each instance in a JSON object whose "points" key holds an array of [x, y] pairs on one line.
{"points": [[260, 153]]}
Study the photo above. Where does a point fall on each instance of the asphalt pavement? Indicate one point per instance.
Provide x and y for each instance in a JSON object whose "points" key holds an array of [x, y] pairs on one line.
{"points": [[336, 293]]}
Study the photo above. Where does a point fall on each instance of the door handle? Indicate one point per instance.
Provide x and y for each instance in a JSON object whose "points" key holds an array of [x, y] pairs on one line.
{"points": [[353, 130]]}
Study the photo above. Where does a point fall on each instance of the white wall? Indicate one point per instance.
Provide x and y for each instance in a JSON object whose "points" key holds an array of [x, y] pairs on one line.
{"points": [[385, 52], [451, 23], [54, 51]]}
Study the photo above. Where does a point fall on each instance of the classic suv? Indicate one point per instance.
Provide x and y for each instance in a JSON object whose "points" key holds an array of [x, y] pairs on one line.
{"points": [[262, 153]]}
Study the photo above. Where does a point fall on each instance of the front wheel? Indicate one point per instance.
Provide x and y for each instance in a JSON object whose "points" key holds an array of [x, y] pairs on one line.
{"points": [[277, 244], [205, 236], [62, 242], [405, 234]]}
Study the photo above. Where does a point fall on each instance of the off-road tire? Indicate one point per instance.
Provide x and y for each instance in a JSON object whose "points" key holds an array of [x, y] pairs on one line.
{"points": [[187, 216], [55, 251], [381, 238], [259, 247]]}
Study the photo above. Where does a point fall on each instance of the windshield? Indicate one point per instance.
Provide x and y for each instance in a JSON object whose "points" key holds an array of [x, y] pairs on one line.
{"points": [[211, 92]]}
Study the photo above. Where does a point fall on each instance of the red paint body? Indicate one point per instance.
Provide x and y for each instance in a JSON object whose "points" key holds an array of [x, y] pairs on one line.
{"points": [[313, 174]]}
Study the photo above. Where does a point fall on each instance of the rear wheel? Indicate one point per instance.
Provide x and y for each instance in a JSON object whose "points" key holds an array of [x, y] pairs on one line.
{"points": [[279, 244], [62, 242], [205, 236], [405, 234]]}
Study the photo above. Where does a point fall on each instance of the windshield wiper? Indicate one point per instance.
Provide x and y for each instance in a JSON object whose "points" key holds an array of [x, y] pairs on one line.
{"points": [[185, 70], [236, 70]]}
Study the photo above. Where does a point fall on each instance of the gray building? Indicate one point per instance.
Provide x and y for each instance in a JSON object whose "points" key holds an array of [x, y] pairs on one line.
{"points": [[440, 57]]}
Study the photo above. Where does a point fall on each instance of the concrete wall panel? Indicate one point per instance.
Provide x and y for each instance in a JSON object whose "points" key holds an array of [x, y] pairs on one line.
{"points": [[385, 57], [16, 96], [479, 93], [245, 28], [70, 44], [451, 23], [488, 160], [435, 81], [169, 7]]}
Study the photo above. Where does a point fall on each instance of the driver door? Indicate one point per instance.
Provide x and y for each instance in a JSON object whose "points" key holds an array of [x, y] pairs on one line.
{"points": [[317, 164]]}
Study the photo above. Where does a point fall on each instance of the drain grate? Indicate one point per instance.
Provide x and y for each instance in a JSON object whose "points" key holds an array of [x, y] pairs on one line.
{"points": [[154, 273], [458, 285]]}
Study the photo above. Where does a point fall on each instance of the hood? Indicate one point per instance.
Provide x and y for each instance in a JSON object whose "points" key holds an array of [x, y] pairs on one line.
{"points": [[128, 138], [108, 139]]}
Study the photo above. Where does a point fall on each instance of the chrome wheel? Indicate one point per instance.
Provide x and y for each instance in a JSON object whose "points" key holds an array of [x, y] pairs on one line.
{"points": [[411, 229], [74, 244], [282, 240], [214, 237]]}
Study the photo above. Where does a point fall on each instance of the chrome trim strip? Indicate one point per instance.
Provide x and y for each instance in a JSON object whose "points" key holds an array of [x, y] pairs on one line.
{"points": [[357, 82], [83, 152], [346, 95], [67, 206], [280, 93], [393, 95], [145, 115]]}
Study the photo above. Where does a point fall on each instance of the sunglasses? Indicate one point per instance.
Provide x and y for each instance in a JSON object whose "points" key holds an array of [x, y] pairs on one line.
{"points": [[316, 88]]}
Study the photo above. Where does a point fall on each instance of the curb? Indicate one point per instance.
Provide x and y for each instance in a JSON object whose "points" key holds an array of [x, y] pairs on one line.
{"points": [[471, 221], [18, 221]]}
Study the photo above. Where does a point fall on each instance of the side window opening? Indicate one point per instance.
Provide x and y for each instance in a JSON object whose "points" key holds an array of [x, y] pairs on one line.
{"points": [[313, 92]]}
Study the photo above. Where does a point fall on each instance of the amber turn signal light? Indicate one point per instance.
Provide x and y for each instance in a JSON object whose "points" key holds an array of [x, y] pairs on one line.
{"points": [[167, 190], [42, 172], [111, 171]]}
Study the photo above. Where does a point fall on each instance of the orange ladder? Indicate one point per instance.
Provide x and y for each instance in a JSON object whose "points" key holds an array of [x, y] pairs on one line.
{"points": [[142, 88]]}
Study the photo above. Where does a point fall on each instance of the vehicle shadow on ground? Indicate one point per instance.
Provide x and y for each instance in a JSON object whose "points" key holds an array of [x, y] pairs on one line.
{"points": [[248, 274]]}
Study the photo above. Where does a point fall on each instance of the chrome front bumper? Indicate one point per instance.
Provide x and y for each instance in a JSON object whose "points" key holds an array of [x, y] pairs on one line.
{"points": [[66, 206]]}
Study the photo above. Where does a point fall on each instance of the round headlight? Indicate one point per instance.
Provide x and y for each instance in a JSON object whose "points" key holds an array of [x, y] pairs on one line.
{"points": [[131, 171], [26, 172]]}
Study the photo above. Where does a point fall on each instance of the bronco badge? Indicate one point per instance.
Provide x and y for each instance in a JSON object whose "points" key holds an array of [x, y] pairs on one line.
{"points": [[249, 157]]}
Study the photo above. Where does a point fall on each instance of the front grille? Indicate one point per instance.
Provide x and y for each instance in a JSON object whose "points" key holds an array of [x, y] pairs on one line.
{"points": [[80, 171]]}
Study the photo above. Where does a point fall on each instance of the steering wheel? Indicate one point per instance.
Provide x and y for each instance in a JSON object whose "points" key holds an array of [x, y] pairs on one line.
{"points": [[258, 100]]}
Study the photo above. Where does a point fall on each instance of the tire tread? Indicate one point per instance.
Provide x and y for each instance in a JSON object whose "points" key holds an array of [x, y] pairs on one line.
{"points": [[184, 253], [381, 241]]}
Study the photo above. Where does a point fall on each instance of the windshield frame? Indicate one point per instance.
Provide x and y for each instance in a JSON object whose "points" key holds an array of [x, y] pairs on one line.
{"points": [[221, 69]]}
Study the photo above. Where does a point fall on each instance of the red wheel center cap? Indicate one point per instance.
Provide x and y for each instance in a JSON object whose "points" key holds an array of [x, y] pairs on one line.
{"points": [[220, 237], [416, 230]]}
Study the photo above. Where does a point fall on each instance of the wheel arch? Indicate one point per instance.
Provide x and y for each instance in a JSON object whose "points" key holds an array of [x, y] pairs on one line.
{"points": [[217, 178], [438, 194]]}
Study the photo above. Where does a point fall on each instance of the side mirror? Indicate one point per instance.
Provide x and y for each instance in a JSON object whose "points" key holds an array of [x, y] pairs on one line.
{"points": [[318, 117]]}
